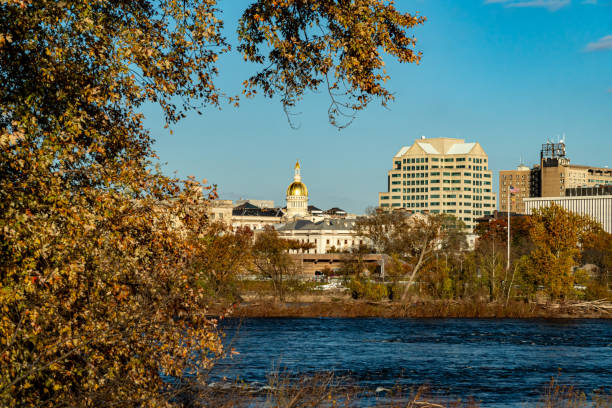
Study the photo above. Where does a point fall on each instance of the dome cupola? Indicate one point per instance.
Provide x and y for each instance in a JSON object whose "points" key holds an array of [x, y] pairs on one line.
{"points": [[297, 188], [297, 195]]}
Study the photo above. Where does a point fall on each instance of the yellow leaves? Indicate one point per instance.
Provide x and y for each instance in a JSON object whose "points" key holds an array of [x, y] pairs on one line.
{"points": [[5, 39], [556, 234]]}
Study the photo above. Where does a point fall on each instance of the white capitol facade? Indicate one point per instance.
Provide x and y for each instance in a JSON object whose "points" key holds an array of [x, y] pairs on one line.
{"points": [[329, 230]]}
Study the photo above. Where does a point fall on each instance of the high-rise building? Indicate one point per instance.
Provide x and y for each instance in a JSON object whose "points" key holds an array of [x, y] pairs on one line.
{"points": [[553, 177], [558, 174], [518, 182], [440, 175]]}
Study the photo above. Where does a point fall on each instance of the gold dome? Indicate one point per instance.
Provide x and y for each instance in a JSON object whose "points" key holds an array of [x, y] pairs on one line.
{"points": [[297, 188]]}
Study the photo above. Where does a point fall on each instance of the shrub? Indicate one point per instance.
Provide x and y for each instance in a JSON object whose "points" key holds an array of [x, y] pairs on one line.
{"points": [[366, 289], [597, 291]]}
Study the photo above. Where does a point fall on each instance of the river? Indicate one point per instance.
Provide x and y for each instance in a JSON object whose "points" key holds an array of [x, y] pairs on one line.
{"points": [[499, 362]]}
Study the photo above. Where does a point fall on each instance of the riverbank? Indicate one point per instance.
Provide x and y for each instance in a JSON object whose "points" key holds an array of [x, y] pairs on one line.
{"points": [[421, 309]]}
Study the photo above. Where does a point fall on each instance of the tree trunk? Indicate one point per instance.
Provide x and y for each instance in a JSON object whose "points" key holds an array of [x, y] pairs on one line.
{"points": [[414, 272]]}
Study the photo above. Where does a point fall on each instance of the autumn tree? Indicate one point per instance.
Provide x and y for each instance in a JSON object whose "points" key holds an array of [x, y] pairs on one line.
{"points": [[300, 246], [226, 254], [377, 226], [558, 236], [491, 255], [412, 238], [331, 44], [272, 260], [354, 262], [598, 252], [100, 272]]}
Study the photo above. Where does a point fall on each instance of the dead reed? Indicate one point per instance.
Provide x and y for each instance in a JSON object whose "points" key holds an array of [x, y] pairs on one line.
{"points": [[286, 390], [420, 309]]}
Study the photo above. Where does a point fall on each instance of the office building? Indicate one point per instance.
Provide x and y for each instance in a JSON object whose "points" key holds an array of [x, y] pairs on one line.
{"points": [[554, 176], [557, 174], [519, 181], [440, 175], [598, 207]]}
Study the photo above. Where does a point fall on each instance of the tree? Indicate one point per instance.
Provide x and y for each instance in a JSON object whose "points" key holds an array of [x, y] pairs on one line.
{"points": [[491, 252], [558, 235], [413, 239], [272, 260], [100, 284], [491, 261], [226, 254], [338, 45], [598, 251], [354, 263], [300, 246], [377, 226]]}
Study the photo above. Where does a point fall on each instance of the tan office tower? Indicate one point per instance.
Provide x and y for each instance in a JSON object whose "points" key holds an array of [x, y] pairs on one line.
{"points": [[520, 181], [440, 175]]}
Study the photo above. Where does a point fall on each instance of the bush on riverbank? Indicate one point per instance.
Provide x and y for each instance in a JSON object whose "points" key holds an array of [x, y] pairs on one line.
{"points": [[366, 289]]}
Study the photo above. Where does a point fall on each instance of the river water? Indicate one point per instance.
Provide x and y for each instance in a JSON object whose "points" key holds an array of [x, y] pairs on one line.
{"points": [[499, 362]]}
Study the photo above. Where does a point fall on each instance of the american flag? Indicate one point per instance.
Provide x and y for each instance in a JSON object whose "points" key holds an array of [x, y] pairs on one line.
{"points": [[514, 190]]}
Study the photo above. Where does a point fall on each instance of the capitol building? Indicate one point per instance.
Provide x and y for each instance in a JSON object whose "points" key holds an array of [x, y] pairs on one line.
{"points": [[297, 196], [328, 230]]}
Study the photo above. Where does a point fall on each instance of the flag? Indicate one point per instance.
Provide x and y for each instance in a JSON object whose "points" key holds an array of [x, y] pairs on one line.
{"points": [[513, 190]]}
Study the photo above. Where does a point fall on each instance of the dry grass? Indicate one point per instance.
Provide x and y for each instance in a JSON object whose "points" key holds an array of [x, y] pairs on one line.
{"points": [[423, 309], [284, 390], [557, 395]]}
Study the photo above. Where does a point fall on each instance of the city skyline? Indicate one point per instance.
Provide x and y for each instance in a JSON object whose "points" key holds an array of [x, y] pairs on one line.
{"points": [[524, 72]]}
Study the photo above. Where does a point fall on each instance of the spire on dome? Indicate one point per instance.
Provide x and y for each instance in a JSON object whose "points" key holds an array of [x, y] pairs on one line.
{"points": [[297, 176]]}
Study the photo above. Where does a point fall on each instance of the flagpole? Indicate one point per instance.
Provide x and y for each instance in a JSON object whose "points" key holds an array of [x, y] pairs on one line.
{"points": [[508, 209]]}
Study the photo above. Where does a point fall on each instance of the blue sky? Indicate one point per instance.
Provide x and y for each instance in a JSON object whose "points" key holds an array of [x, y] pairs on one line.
{"points": [[509, 74]]}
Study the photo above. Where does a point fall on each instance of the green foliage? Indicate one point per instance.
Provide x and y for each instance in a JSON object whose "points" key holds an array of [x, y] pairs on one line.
{"points": [[411, 240], [271, 260], [367, 289]]}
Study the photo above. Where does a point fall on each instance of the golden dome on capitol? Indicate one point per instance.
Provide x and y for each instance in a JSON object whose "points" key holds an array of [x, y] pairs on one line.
{"points": [[297, 188]]}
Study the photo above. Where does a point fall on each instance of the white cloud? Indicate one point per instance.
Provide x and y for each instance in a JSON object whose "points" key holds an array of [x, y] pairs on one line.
{"points": [[552, 5], [604, 43]]}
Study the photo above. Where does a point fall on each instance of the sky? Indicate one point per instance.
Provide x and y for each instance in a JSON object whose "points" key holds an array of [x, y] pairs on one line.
{"points": [[509, 74]]}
